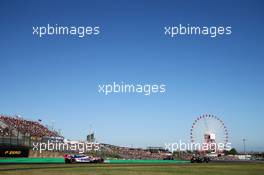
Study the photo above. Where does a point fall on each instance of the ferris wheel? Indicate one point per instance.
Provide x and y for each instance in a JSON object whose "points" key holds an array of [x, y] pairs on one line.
{"points": [[208, 129]]}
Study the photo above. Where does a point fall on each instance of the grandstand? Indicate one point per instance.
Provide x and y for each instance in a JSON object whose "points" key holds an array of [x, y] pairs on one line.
{"points": [[17, 131], [135, 153], [18, 134]]}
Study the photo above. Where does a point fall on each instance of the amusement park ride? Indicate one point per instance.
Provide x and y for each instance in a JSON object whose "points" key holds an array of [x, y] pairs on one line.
{"points": [[209, 136]]}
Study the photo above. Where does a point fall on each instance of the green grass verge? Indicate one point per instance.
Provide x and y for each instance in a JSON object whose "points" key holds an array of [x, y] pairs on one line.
{"points": [[133, 169]]}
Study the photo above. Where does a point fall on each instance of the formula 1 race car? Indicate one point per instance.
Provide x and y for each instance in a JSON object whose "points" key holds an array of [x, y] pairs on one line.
{"points": [[199, 159], [68, 158]]}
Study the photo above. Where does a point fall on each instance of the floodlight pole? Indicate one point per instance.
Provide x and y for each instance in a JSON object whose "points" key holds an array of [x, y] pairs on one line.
{"points": [[244, 143]]}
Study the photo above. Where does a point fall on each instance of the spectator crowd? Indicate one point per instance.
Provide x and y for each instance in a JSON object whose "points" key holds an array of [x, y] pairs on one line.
{"points": [[136, 153], [18, 125]]}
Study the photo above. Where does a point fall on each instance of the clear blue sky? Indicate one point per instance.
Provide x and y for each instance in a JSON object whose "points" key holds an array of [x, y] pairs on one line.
{"points": [[56, 78]]}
